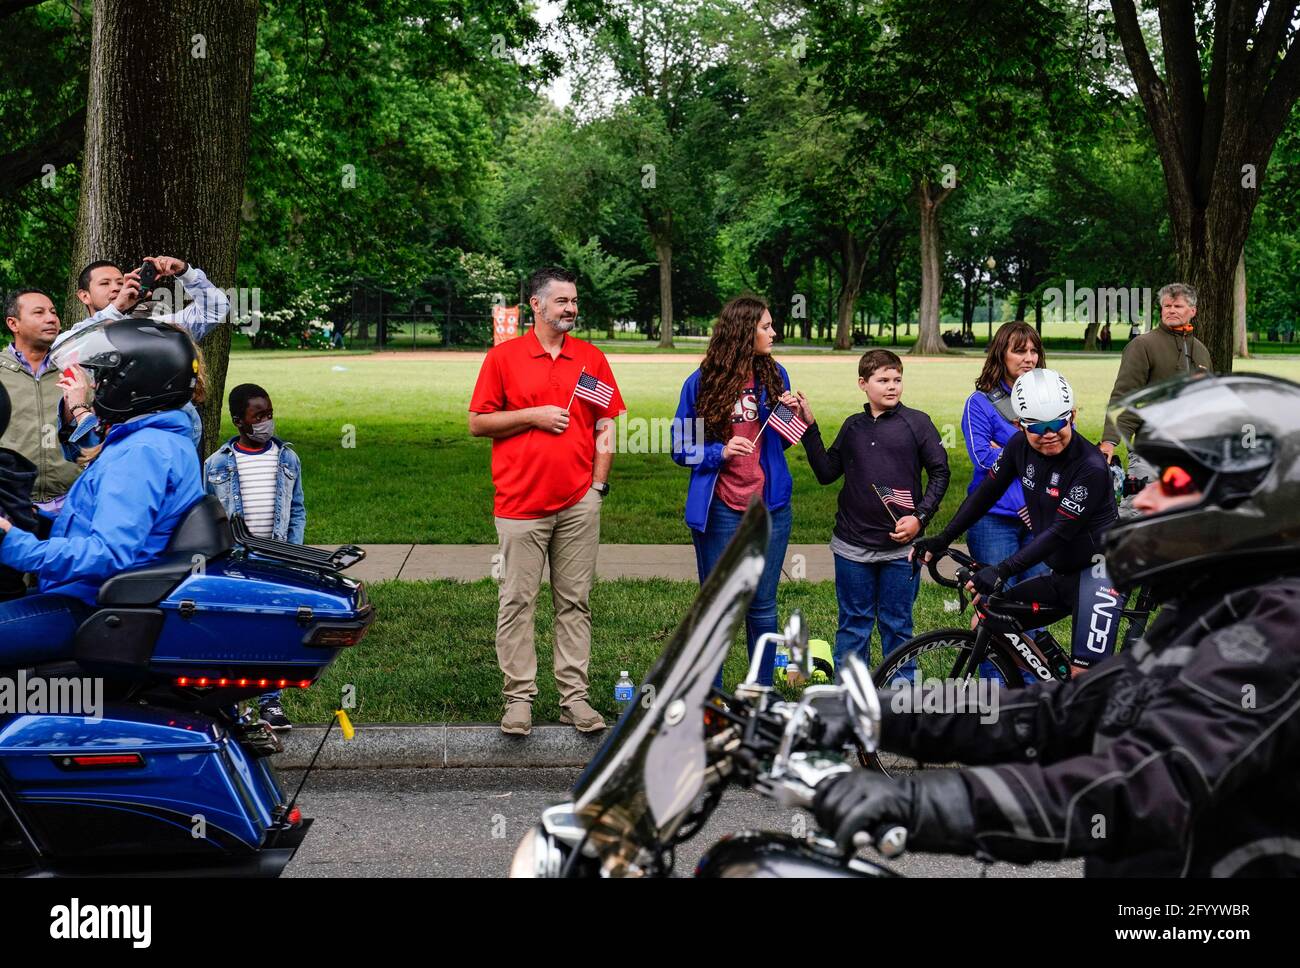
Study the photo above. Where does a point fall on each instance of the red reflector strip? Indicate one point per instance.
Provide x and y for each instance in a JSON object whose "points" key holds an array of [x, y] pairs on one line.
{"points": [[295, 816], [99, 760]]}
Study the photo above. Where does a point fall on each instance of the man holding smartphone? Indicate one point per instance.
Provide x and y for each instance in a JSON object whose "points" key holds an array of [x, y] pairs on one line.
{"points": [[108, 294]]}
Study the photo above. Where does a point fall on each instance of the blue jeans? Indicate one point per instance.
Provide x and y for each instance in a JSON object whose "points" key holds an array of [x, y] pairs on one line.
{"points": [[709, 544], [995, 537], [870, 594], [39, 628]]}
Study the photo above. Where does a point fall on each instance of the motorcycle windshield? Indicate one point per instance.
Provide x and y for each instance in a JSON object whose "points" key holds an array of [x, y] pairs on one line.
{"points": [[645, 777]]}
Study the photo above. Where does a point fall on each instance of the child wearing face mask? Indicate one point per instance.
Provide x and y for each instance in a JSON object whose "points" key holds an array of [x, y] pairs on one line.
{"points": [[258, 475]]}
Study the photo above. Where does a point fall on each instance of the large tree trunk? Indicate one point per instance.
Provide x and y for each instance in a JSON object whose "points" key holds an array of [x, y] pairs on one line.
{"points": [[1241, 336], [928, 341], [664, 250], [166, 146], [855, 259], [893, 311], [1215, 122]]}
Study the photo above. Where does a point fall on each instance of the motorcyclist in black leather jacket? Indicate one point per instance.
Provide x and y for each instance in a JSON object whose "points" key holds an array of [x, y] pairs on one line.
{"points": [[1180, 756]]}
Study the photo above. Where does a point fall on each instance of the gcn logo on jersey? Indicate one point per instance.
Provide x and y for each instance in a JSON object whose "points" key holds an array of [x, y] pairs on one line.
{"points": [[1078, 493]]}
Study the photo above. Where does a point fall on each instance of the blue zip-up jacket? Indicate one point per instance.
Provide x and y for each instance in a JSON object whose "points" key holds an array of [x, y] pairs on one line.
{"points": [[981, 423], [119, 514], [221, 476], [704, 458]]}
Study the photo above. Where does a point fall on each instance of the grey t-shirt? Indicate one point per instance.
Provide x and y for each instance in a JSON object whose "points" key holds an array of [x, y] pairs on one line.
{"points": [[865, 555]]}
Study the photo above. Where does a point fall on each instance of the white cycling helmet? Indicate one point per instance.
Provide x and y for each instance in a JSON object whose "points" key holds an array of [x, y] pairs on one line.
{"points": [[1042, 394]]}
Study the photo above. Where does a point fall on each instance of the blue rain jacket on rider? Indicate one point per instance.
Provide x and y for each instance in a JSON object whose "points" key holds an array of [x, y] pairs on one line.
{"points": [[120, 513]]}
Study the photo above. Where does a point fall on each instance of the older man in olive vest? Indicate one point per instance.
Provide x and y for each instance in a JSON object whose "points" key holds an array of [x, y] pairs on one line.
{"points": [[45, 407]]}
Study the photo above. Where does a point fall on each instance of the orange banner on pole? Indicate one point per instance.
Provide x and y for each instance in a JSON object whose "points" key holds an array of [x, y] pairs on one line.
{"points": [[505, 323]]}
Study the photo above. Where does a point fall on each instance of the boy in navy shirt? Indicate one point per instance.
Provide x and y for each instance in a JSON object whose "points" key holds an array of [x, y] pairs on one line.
{"points": [[882, 508]]}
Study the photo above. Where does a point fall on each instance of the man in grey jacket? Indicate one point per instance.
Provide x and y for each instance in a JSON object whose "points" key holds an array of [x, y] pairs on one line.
{"points": [[108, 293]]}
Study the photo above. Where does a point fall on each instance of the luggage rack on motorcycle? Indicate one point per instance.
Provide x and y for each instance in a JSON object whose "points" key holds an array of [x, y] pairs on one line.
{"points": [[340, 558]]}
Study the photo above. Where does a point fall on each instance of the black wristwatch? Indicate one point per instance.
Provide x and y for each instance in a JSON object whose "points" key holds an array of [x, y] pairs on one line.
{"points": [[601, 487]]}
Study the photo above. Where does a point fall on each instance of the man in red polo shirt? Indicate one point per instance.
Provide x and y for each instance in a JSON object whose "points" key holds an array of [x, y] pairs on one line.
{"points": [[551, 454]]}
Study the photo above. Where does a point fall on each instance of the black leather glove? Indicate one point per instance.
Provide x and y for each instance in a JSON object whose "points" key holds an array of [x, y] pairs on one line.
{"points": [[834, 728], [934, 545], [933, 806], [987, 580]]}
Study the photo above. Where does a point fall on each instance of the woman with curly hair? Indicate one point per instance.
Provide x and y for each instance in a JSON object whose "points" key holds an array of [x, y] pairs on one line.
{"points": [[730, 397]]}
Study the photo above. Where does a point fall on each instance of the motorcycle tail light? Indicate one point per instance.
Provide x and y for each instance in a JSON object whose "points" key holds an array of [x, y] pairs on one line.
{"points": [[337, 636], [204, 682]]}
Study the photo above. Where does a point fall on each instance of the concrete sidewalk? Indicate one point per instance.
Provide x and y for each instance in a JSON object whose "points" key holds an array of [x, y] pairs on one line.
{"points": [[438, 746], [472, 562]]}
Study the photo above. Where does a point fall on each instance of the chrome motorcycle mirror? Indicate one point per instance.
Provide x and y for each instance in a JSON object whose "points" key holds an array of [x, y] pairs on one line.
{"points": [[862, 701]]}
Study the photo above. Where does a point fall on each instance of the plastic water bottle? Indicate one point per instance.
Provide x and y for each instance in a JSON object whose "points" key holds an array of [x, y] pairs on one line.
{"points": [[782, 660], [624, 691]]}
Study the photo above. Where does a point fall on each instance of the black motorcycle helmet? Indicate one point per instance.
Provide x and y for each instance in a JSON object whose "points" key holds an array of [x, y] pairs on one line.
{"points": [[137, 366], [1237, 437]]}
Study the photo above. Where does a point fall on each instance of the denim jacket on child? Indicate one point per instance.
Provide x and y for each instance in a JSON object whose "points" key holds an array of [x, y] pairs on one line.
{"points": [[221, 478]]}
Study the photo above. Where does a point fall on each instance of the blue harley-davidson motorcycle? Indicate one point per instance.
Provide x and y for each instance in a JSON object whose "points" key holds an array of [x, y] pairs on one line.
{"points": [[167, 777]]}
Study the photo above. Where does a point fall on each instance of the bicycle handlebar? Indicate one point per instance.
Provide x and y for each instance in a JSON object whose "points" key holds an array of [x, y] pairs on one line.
{"points": [[964, 573], [968, 567]]}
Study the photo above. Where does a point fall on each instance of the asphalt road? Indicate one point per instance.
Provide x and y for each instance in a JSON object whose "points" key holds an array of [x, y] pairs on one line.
{"points": [[466, 823]]}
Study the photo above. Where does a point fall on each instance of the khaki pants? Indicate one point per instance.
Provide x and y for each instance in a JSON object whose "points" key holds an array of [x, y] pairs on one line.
{"points": [[569, 538]]}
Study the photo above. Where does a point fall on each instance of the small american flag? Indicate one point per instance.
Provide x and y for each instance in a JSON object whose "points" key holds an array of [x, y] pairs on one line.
{"points": [[894, 497], [1024, 516], [787, 423], [590, 388]]}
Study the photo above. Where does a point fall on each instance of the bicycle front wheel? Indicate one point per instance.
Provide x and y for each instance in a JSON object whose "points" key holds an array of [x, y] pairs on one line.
{"points": [[930, 663]]}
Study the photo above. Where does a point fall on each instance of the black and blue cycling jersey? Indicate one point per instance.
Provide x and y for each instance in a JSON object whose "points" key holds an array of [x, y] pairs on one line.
{"points": [[1071, 503]]}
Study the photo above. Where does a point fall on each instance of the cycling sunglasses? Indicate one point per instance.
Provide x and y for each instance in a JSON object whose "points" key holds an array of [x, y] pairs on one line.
{"points": [[1045, 426]]}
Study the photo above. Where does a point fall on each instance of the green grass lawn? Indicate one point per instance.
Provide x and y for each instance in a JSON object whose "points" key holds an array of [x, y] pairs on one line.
{"points": [[431, 655], [411, 668], [387, 457]]}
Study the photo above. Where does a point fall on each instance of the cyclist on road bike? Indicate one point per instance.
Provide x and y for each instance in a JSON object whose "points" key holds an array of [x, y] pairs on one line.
{"points": [[1071, 504], [1181, 756]]}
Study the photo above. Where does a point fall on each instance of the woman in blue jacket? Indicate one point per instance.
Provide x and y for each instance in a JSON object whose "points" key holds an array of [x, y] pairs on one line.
{"points": [[121, 512], [723, 406], [987, 423]]}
